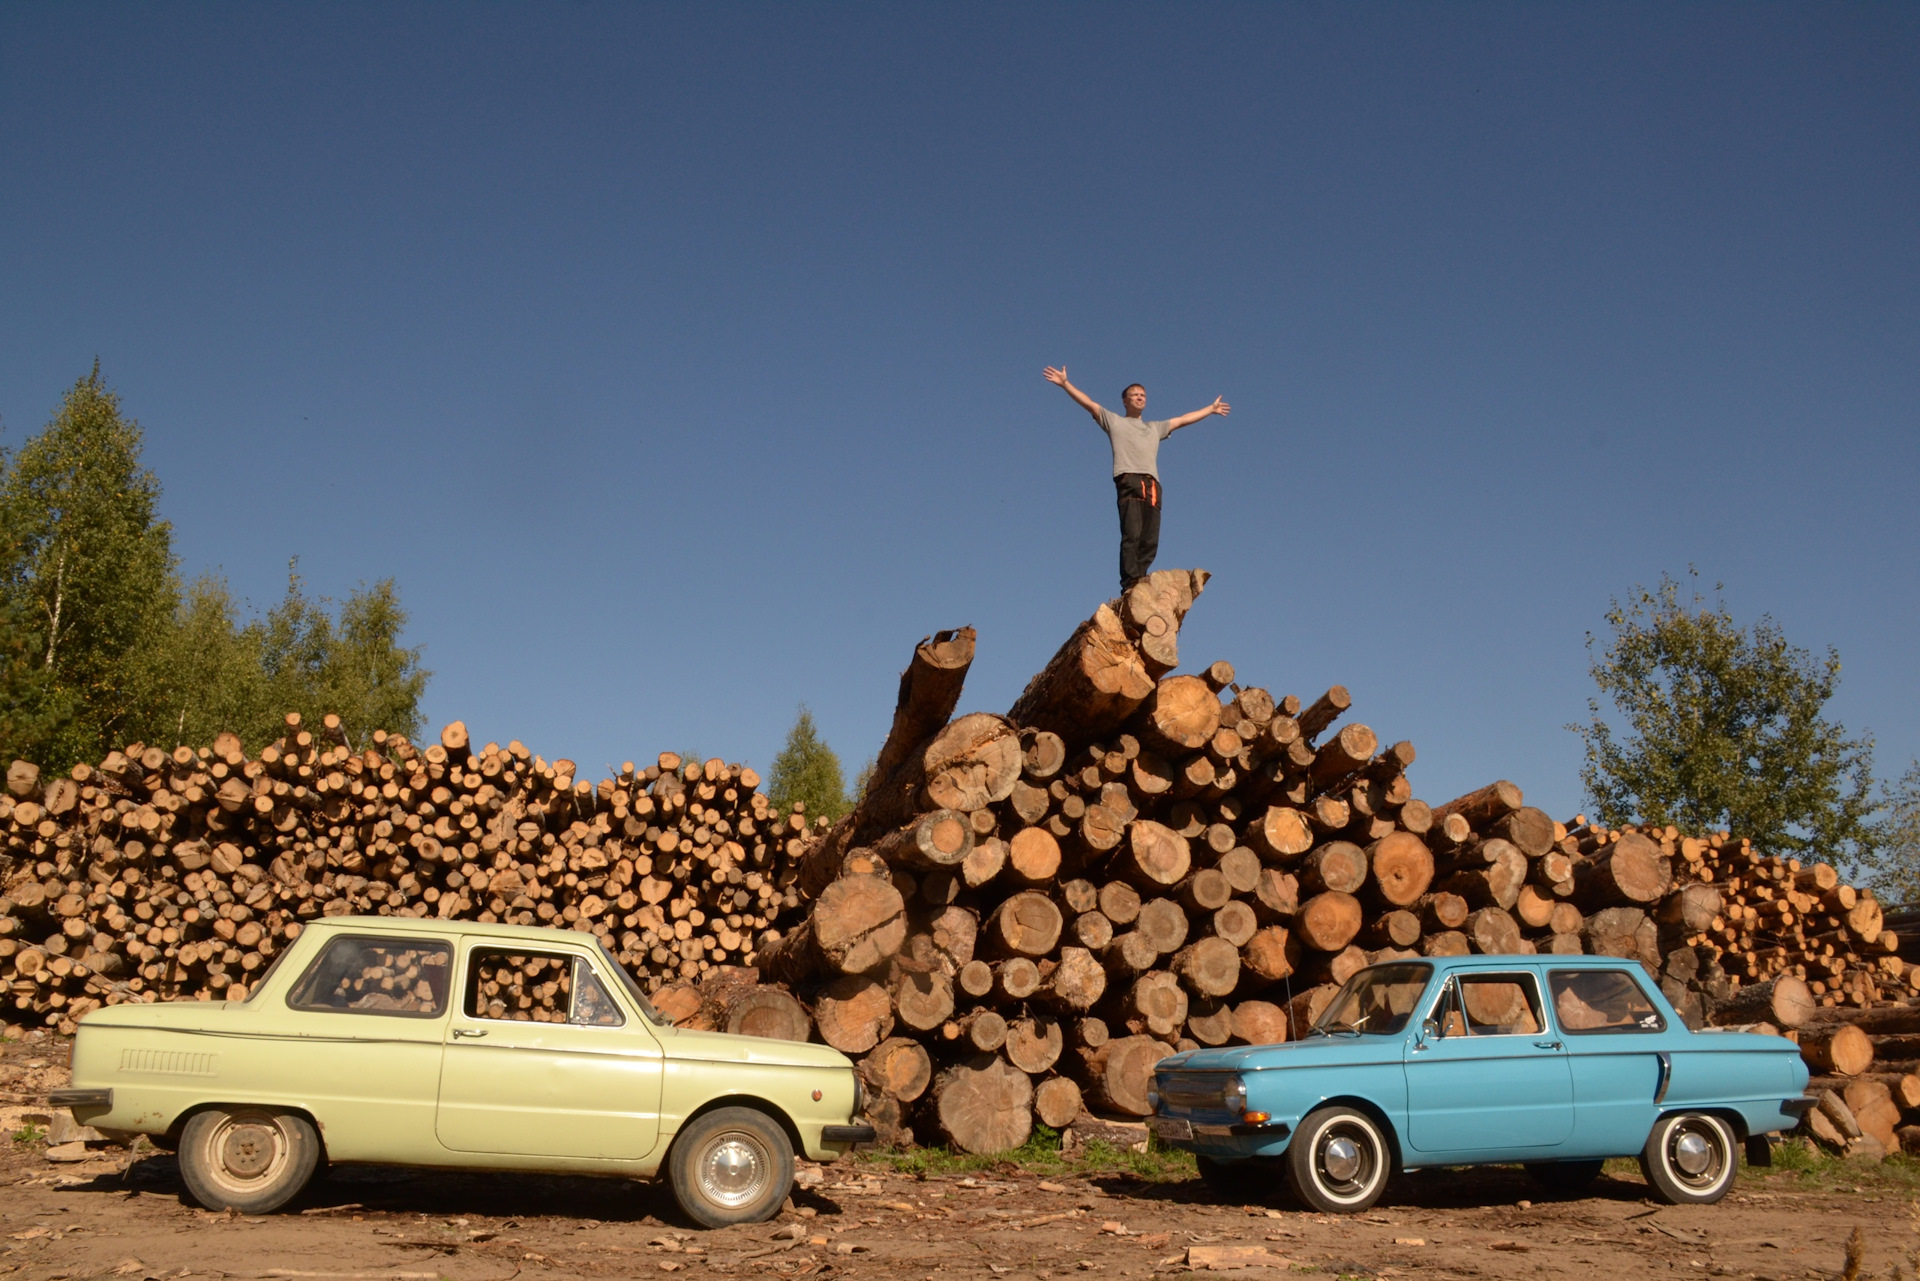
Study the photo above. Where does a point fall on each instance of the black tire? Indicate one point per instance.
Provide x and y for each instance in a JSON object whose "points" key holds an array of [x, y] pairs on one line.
{"points": [[1567, 1178], [1690, 1158], [1339, 1160], [249, 1159], [733, 1165], [1240, 1181]]}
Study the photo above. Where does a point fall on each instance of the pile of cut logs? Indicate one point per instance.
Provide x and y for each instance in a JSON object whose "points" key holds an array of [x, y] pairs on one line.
{"points": [[1026, 911], [1021, 915], [161, 875]]}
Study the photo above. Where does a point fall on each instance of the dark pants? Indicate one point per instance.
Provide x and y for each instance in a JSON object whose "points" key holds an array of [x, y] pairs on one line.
{"points": [[1139, 499]]}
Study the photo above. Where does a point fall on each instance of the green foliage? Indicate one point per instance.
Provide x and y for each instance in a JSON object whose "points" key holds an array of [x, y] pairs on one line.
{"points": [[86, 578], [29, 1135], [1723, 730], [807, 770], [99, 645], [1894, 866]]}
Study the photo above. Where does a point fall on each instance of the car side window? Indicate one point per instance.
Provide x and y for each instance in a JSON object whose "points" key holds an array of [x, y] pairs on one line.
{"points": [[535, 987], [1602, 1001], [1500, 1004], [409, 978]]}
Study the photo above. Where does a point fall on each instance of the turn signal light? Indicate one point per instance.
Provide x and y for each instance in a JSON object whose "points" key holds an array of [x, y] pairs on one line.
{"points": [[1256, 1118]]}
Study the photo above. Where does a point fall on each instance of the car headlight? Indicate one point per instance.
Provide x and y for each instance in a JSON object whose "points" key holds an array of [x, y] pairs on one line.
{"points": [[1153, 1099], [1234, 1094], [859, 1096]]}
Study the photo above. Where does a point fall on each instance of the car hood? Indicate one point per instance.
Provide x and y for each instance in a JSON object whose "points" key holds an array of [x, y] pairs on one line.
{"points": [[1318, 1051], [722, 1047], [171, 1015]]}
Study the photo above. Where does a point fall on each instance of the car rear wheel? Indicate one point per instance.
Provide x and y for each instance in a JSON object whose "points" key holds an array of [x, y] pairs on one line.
{"points": [[733, 1165], [1689, 1158], [1565, 1177], [248, 1159], [1339, 1161]]}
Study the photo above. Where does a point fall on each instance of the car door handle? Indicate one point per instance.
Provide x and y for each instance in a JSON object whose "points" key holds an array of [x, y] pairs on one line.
{"points": [[1546, 1045], [470, 1031]]}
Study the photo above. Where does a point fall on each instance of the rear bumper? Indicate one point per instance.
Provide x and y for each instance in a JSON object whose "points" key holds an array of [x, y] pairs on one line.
{"points": [[91, 1100], [1798, 1108], [847, 1134]]}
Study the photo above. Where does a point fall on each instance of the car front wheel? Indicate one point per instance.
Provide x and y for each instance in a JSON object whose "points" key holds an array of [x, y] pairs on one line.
{"points": [[248, 1159], [733, 1165], [1689, 1158], [1339, 1161]]}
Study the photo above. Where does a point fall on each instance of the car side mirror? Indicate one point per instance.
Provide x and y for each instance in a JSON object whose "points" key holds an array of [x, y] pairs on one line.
{"points": [[1430, 1030]]}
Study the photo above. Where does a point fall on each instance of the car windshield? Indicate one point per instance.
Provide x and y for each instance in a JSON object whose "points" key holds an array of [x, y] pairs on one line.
{"points": [[1376, 1002], [633, 988]]}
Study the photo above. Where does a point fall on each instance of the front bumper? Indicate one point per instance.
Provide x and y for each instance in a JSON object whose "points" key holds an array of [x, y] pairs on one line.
{"points": [[848, 1134], [92, 1100], [1175, 1129]]}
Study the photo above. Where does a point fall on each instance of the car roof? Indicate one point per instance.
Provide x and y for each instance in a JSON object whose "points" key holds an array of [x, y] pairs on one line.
{"points": [[1508, 960], [433, 925]]}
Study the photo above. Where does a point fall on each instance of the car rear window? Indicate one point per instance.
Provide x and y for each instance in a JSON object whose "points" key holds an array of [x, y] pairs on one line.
{"points": [[537, 987], [409, 978], [1602, 1001]]}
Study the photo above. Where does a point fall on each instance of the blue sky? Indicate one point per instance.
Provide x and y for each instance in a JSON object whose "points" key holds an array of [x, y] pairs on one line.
{"points": [[683, 364]]}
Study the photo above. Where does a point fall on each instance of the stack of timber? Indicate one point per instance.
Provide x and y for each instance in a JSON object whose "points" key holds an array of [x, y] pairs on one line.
{"points": [[1741, 917], [164, 875]]}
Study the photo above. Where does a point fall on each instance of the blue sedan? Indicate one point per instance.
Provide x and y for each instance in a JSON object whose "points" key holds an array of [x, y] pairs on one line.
{"points": [[1556, 1062]]}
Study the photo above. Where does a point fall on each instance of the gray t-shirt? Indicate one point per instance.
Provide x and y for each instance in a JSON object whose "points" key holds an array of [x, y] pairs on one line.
{"points": [[1136, 442]]}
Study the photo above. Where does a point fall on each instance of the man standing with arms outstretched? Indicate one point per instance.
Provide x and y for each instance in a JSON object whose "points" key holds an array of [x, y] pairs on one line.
{"points": [[1136, 471]]}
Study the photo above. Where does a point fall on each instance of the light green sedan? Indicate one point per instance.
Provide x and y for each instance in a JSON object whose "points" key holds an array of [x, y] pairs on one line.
{"points": [[445, 1044]]}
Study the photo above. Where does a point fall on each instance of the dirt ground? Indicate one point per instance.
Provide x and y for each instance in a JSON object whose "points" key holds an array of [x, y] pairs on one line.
{"points": [[115, 1213]]}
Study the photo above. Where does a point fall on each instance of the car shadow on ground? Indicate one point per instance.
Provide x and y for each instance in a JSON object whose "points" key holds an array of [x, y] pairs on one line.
{"points": [[1453, 1189], [345, 1189]]}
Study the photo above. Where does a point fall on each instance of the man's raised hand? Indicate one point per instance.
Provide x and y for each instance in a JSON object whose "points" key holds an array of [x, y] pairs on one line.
{"points": [[1220, 406], [1056, 376]]}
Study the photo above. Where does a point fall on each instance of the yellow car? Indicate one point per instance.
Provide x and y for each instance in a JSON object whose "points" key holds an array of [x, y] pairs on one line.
{"points": [[395, 1041]]}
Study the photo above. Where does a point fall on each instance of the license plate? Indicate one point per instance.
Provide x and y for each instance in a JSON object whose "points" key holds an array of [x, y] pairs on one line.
{"points": [[1170, 1127]]}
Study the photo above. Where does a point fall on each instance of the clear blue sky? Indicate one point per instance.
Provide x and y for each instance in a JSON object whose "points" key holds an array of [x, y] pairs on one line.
{"points": [[683, 364]]}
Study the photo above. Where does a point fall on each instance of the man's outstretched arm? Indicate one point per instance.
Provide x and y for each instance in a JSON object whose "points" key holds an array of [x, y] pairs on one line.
{"points": [[1218, 406], [1086, 402]]}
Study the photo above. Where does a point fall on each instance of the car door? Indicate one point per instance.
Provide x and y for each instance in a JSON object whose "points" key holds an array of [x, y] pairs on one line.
{"points": [[543, 1060], [1616, 1047], [1488, 1073], [362, 1042]]}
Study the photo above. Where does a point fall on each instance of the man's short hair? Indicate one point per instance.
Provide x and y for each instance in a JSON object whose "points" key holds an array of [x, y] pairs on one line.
{"points": [[1129, 387]]}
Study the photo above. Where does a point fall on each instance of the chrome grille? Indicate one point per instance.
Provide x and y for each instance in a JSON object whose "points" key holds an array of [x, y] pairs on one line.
{"points": [[1193, 1091]]}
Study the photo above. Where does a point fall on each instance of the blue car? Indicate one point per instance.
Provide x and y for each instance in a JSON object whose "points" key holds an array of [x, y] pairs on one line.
{"points": [[1555, 1062]]}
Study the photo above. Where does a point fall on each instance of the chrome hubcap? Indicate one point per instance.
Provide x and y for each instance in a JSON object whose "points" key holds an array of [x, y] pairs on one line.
{"points": [[734, 1170], [1341, 1159], [1692, 1153]]}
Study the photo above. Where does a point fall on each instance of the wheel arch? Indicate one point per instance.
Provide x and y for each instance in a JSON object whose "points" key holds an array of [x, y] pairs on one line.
{"points": [[772, 1111], [1378, 1114], [1732, 1116], [170, 1140]]}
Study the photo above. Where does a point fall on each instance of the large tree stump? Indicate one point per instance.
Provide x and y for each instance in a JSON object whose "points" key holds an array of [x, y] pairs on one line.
{"points": [[1626, 932], [1340, 866], [1785, 1001], [938, 839], [1493, 932], [1056, 1102], [1090, 686], [984, 1105], [1209, 967], [1025, 924], [1629, 872], [1840, 1048], [1155, 1004], [1328, 922], [1034, 1044], [1180, 716], [1259, 1023], [854, 1013], [1485, 807], [1162, 923], [1119, 1073], [898, 1067], [856, 925], [1155, 858], [972, 763], [1282, 833], [1073, 984], [1401, 867]]}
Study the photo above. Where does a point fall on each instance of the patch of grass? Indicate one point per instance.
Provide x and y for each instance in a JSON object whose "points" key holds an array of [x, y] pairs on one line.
{"points": [[1041, 1155], [28, 1135], [1810, 1166]]}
